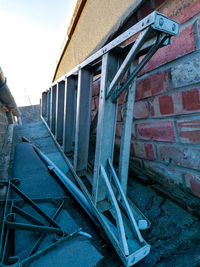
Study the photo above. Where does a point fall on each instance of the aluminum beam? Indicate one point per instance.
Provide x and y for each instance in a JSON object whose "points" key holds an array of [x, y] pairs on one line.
{"points": [[44, 104], [48, 106], [53, 109], [106, 126], [126, 132], [84, 99], [69, 114], [60, 110]]}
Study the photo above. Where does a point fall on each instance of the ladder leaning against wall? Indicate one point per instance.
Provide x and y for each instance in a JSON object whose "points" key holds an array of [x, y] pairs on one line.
{"points": [[66, 109]]}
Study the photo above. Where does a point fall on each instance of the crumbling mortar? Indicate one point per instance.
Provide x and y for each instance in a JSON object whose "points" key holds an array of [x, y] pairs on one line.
{"points": [[173, 63]]}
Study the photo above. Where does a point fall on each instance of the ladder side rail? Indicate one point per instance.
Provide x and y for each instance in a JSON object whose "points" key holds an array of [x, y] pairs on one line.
{"points": [[144, 23], [153, 19], [82, 132], [60, 110], [69, 114]]}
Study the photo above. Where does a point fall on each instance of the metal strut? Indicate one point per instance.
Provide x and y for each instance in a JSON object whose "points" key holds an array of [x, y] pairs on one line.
{"points": [[107, 190], [11, 210], [160, 41]]}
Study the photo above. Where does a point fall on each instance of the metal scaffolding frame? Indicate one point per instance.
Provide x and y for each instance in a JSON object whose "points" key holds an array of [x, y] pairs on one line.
{"points": [[66, 114]]}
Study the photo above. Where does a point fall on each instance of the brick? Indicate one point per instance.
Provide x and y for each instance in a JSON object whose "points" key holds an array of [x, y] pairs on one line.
{"points": [[186, 73], [133, 131], [163, 173], [189, 131], [124, 78], [181, 11], [141, 110], [180, 45], [121, 98], [142, 72], [96, 88], [142, 150], [158, 131], [191, 100], [158, 3], [166, 105], [97, 102], [152, 85], [119, 113], [192, 182], [118, 131], [188, 157], [93, 113], [93, 104], [176, 103]]}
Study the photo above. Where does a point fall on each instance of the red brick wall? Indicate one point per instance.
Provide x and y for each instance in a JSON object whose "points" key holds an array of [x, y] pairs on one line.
{"points": [[166, 123]]}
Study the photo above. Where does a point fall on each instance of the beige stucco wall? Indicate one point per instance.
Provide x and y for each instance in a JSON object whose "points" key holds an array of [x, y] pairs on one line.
{"points": [[96, 20]]}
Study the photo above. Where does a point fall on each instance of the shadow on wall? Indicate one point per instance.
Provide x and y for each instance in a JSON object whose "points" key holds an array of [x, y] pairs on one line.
{"points": [[30, 114]]}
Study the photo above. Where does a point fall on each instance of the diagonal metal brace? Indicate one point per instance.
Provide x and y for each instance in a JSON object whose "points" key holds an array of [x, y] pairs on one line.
{"points": [[161, 39], [144, 35], [34, 205], [38, 242], [9, 222], [124, 200], [119, 220], [26, 215]]}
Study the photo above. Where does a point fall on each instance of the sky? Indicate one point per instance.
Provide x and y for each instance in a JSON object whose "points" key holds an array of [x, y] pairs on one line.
{"points": [[32, 32]]}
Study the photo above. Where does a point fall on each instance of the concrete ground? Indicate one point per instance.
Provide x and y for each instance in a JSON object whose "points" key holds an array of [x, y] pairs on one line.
{"points": [[174, 233]]}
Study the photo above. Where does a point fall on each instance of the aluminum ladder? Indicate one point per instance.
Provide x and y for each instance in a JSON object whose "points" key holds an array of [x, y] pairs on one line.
{"points": [[66, 109]]}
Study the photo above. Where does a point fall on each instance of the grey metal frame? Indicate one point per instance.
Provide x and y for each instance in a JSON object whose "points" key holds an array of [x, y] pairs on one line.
{"points": [[108, 188], [126, 132], [59, 110], [44, 104], [53, 108], [69, 114], [47, 115], [106, 126], [84, 98]]}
